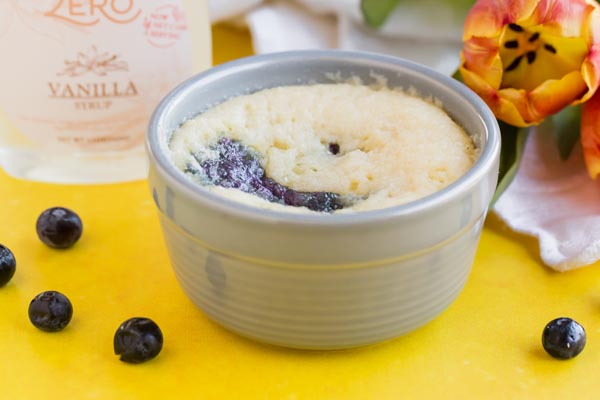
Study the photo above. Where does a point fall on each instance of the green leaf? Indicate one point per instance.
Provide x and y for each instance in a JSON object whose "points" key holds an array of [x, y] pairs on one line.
{"points": [[463, 4], [458, 76], [375, 12], [566, 129], [511, 153]]}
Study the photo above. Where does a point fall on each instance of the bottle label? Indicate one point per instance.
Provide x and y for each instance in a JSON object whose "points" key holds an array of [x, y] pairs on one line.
{"points": [[85, 75], [91, 12]]}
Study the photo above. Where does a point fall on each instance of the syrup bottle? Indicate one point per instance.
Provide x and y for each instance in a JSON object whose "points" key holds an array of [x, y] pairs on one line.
{"points": [[80, 78]]}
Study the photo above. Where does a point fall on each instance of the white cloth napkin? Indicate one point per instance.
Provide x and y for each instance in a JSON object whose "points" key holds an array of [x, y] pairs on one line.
{"points": [[552, 200], [426, 31], [555, 201]]}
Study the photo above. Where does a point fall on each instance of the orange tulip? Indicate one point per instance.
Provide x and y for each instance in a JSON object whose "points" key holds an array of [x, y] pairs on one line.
{"points": [[529, 59]]}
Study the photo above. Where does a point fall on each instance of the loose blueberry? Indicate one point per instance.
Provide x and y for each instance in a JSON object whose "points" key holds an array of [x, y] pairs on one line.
{"points": [[50, 311], [8, 265], [563, 338], [137, 340], [238, 167], [59, 227]]}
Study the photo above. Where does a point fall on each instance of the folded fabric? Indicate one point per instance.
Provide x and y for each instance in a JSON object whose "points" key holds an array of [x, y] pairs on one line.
{"points": [[550, 199], [555, 201], [425, 31]]}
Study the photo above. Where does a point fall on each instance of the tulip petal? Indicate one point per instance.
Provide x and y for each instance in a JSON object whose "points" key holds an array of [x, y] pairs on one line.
{"points": [[554, 95], [590, 134], [591, 65], [511, 112], [563, 17], [503, 109], [487, 17], [480, 55], [519, 101]]}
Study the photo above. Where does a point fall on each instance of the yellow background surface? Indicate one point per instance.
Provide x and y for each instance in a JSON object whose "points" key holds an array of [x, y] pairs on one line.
{"points": [[486, 345]]}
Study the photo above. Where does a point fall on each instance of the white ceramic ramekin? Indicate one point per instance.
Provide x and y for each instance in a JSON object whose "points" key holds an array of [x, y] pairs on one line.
{"points": [[310, 281]]}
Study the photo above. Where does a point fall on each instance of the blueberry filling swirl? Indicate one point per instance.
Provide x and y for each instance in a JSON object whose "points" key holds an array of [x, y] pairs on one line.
{"points": [[237, 166]]}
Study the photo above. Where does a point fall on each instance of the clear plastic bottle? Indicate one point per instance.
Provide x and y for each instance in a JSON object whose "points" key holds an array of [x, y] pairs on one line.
{"points": [[80, 78]]}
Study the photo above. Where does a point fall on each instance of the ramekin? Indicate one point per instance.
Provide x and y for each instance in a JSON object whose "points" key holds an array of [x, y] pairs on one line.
{"points": [[321, 281]]}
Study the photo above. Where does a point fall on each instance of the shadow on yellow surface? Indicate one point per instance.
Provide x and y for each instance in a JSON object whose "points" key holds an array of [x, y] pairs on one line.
{"points": [[494, 223]]}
